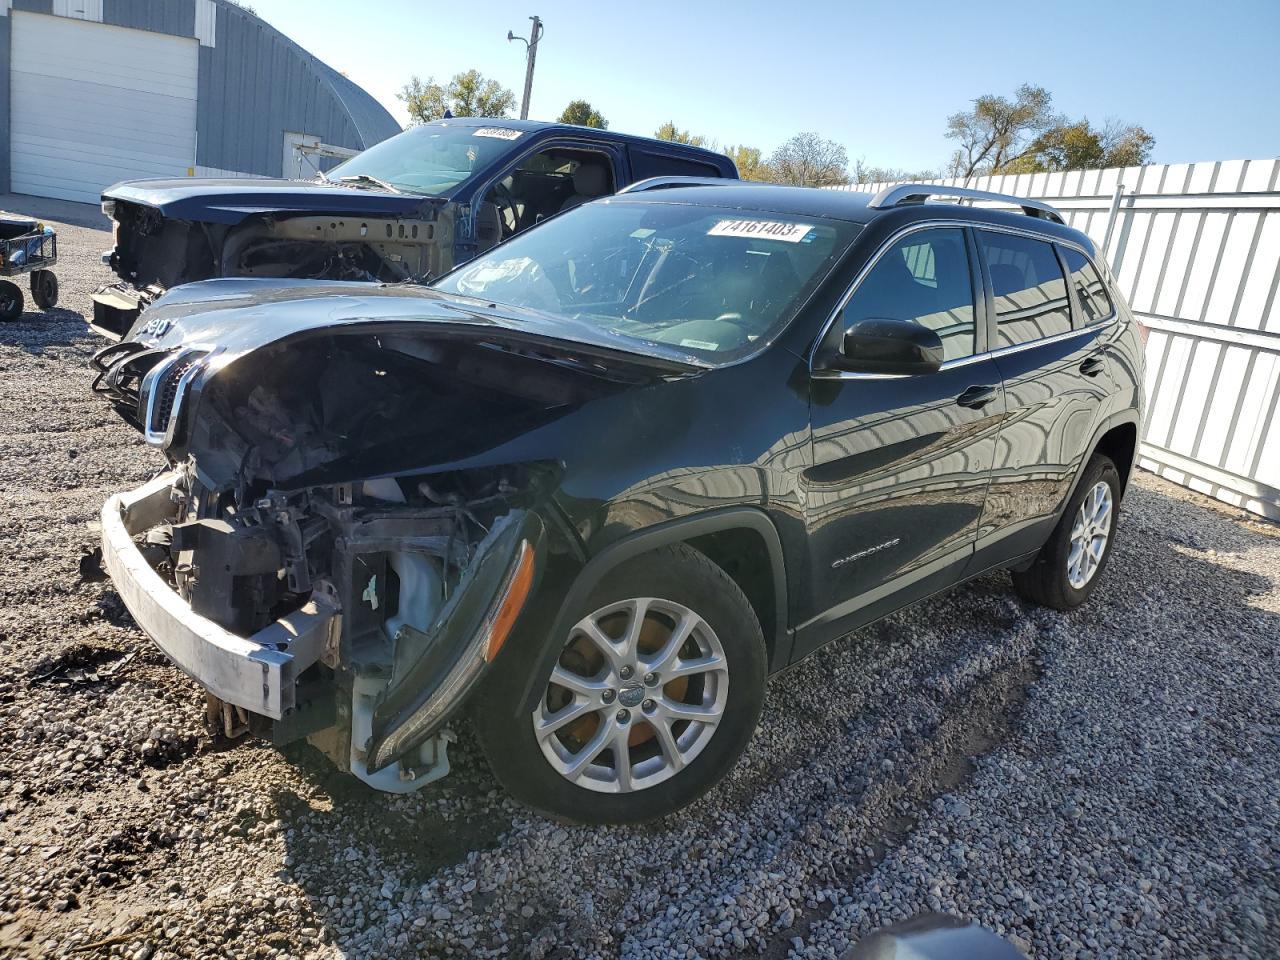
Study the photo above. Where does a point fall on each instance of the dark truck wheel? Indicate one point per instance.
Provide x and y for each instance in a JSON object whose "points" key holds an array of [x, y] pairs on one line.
{"points": [[1070, 564], [10, 301], [44, 289], [656, 692]]}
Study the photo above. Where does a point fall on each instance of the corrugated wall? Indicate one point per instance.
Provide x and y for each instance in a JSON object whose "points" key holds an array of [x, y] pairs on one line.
{"points": [[175, 17], [255, 84], [6, 26], [1196, 251]]}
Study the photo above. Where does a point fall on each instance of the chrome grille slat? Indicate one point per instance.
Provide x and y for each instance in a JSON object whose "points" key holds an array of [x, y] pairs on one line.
{"points": [[160, 397]]}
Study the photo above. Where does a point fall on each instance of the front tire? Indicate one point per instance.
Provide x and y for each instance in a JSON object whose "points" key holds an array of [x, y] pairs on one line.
{"points": [[657, 689], [1069, 566]]}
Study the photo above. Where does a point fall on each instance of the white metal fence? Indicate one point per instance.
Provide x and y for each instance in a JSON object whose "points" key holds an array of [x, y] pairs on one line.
{"points": [[1196, 250]]}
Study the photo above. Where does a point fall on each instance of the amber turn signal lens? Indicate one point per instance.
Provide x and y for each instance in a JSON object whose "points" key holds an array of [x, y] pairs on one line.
{"points": [[512, 602]]}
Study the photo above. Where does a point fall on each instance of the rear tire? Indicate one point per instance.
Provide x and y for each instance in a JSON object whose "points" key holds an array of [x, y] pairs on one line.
{"points": [[662, 638], [1070, 564], [11, 301], [44, 289]]}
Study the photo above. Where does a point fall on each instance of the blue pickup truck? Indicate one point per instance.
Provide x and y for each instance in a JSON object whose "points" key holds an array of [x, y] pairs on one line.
{"points": [[410, 208]]}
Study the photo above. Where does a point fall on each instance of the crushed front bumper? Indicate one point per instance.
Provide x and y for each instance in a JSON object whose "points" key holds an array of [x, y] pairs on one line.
{"points": [[257, 673]]}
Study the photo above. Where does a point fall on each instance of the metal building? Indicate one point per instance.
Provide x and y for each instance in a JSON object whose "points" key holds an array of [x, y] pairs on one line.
{"points": [[96, 91]]}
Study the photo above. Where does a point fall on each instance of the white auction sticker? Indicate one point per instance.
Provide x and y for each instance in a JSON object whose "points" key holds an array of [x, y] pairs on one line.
{"points": [[764, 229], [498, 133]]}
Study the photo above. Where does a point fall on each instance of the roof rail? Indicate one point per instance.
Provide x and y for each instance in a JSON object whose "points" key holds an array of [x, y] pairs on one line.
{"points": [[666, 183], [910, 193]]}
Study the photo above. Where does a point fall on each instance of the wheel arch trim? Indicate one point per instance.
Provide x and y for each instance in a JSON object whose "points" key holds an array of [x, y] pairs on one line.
{"points": [[666, 533], [1123, 418]]}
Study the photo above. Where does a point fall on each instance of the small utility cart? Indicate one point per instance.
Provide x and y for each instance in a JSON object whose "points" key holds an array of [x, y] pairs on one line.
{"points": [[26, 246]]}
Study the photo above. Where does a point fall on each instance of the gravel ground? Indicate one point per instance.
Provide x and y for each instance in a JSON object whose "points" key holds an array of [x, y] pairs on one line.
{"points": [[1100, 784]]}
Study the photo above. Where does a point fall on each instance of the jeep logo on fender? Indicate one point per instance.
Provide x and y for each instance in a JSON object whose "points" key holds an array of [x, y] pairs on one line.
{"points": [[156, 328]]}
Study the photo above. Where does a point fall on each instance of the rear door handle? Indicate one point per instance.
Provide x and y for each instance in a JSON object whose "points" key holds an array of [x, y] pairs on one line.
{"points": [[977, 397], [1092, 367]]}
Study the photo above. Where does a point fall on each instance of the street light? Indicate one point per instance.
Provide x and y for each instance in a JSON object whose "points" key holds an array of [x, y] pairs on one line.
{"points": [[531, 53]]}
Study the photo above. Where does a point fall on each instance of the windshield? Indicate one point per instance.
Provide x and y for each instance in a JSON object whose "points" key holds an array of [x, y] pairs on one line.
{"points": [[432, 158], [716, 282]]}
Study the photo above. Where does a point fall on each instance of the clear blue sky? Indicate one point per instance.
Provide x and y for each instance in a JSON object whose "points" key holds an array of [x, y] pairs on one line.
{"points": [[878, 77]]}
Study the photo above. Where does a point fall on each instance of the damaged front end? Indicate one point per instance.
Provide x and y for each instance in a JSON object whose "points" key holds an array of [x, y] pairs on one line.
{"points": [[359, 615], [308, 602]]}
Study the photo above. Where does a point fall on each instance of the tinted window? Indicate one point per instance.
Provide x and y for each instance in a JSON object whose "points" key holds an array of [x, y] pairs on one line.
{"points": [[714, 282], [645, 164], [1029, 289], [924, 277], [1090, 290]]}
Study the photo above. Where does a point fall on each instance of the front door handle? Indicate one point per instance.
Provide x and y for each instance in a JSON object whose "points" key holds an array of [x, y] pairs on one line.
{"points": [[977, 397], [1092, 367]]}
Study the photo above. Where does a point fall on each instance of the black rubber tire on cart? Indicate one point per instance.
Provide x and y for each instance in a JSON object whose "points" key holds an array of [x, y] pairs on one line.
{"points": [[667, 588], [11, 301], [44, 289]]}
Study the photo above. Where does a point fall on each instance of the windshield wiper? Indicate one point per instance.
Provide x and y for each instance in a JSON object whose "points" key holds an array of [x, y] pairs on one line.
{"points": [[365, 178]]}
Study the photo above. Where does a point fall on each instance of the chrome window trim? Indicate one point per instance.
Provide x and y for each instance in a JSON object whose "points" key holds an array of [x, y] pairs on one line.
{"points": [[959, 361]]}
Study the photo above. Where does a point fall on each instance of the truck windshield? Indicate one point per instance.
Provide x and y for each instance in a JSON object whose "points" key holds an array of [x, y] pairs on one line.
{"points": [[716, 282], [433, 158]]}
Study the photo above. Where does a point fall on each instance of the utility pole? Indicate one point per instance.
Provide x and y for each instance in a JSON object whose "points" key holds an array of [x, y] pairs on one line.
{"points": [[531, 54]]}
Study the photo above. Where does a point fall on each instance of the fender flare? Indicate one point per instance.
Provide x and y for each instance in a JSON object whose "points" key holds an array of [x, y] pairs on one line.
{"points": [[664, 534], [1127, 417]]}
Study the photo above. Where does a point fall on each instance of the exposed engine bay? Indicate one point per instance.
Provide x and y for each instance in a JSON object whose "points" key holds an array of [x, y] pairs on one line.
{"points": [[154, 253]]}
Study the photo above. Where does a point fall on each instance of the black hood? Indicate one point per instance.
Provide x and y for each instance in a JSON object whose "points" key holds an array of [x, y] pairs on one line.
{"points": [[232, 200], [237, 315]]}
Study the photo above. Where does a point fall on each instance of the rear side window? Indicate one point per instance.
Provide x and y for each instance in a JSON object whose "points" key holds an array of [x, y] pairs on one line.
{"points": [[645, 165], [1090, 290], [1028, 287], [924, 277]]}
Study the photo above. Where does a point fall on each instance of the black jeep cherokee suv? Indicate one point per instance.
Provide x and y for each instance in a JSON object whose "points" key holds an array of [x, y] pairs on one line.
{"points": [[600, 482]]}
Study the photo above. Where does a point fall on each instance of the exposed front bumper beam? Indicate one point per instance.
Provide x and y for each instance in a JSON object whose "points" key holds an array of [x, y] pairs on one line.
{"points": [[257, 672]]}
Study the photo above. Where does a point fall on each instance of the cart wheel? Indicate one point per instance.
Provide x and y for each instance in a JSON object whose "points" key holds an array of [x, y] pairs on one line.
{"points": [[10, 301], [44, 289]]}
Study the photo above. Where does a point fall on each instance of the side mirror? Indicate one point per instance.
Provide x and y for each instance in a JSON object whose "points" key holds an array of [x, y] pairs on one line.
{"points": [[890, 346]]}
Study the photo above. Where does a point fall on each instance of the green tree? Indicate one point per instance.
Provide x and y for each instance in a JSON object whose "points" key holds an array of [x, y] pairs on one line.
{"points": [[1126, 146], [669, 131], [1080, 146], [468, 94], [583, 114], [998, 129], [750, 163], [810, 161]]}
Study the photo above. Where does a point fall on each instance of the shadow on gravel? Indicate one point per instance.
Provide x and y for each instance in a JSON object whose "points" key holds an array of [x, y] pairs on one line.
{"points": [[344, 832], [41, 332]]}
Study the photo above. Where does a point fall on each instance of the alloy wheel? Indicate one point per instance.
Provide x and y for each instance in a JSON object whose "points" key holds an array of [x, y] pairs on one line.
{"points": [[637, 693], [1089, 535]]}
